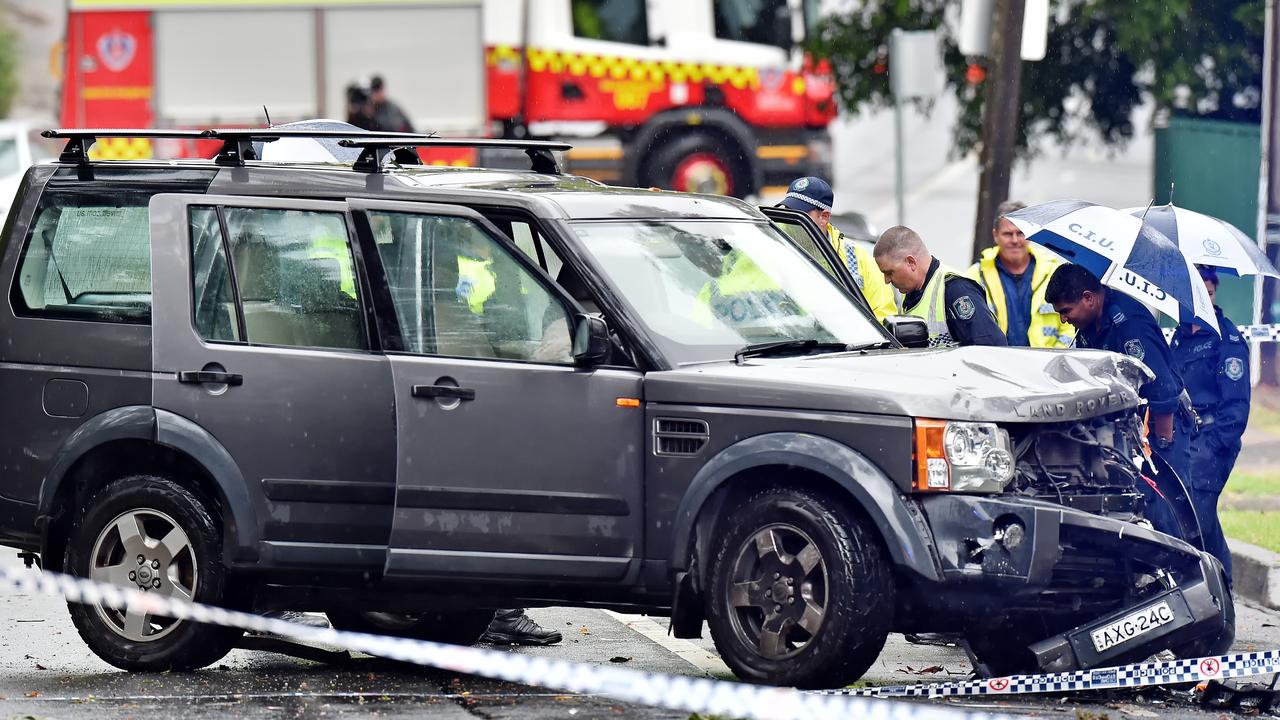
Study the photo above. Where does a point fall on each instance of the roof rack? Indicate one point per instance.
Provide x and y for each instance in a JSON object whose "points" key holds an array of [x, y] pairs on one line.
{"points": [[80, 140], [374, 150], [237, 143]]}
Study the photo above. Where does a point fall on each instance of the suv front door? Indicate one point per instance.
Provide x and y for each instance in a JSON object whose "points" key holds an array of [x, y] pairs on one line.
{"points": [[260, 343], [513, 463]]}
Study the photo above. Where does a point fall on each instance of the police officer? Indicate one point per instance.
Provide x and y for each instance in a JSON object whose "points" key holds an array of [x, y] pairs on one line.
{"points": [[813, 196], [1216, 373], [1107, 320], [952, 305], [1015, 274]]}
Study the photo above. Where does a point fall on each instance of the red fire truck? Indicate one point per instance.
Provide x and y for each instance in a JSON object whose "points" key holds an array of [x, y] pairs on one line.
{"points": [[699, 95]]}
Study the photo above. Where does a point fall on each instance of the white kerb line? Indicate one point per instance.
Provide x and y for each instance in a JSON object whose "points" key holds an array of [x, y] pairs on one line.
{"points": [[696, 655]]}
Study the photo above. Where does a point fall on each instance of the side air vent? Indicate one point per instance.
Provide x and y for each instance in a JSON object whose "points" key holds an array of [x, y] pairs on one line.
{"points": [[679, 437]]}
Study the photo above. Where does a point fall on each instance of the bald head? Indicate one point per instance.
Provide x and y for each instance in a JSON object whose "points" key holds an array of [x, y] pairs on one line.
{"points": [[903, 258]]}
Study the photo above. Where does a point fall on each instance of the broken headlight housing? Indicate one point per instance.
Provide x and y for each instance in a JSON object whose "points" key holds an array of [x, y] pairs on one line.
{"points": [[957, 456]]}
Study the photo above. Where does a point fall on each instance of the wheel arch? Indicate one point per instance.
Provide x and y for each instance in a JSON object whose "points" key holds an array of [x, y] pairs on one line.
{"points": [[666, 126], [146, 440], [816, 460]]}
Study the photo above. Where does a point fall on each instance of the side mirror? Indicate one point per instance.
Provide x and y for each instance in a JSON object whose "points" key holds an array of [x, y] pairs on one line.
{"points": [[912, 332], [590, 340]]}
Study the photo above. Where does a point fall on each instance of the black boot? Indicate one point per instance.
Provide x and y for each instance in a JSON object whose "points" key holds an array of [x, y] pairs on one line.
{"points": [[513, 627]]}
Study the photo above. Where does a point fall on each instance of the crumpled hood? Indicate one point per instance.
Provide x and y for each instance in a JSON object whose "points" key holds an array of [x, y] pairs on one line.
{"points": [[970, 383]]}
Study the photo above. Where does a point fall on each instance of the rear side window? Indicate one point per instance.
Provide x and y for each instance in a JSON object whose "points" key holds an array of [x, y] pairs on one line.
{"points": [[294, 278], [88, 257]]}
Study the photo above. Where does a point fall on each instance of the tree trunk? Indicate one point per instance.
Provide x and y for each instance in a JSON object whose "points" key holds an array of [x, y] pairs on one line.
{"points": [[999, 117]]}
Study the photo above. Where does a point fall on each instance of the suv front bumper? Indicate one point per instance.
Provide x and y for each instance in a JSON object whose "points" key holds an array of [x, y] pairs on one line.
{"points": [[1025, 559]]}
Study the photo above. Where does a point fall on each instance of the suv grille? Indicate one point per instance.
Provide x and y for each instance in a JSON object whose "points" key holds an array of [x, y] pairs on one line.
{"points": [[679, 437]]}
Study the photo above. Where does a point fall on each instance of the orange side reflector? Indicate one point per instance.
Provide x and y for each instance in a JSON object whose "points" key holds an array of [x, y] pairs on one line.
{"points": [[928, 446], [628, 402]]}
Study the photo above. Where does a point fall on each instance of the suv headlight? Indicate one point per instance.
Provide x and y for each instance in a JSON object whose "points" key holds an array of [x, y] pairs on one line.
{"points": [[954, 456]]}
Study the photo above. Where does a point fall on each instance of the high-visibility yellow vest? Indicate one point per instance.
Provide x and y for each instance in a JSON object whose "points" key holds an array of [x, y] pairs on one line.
{"points": [[932, 307], [1047, 330], [334, 247], [743, 293], [862, 265], [476, 282]]}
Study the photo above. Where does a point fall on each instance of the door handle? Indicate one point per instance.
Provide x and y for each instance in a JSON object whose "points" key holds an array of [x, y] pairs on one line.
{"points": [[208, 377], [443, 391]]}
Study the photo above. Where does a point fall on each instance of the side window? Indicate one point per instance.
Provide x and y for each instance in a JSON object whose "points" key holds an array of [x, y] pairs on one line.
{"points": [[623, 21], [213, 299], [88, 257], [459, 292], [531, 243], [803, 239], [294, 273], [767, 22]]}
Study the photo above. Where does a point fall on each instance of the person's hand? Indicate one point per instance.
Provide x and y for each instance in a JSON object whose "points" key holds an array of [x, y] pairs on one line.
{"points": [[1162, 428]]}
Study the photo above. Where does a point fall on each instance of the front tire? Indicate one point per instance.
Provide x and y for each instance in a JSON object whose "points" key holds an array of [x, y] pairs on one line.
{"points": [[463, 627], [696, 162], [150, 534], [801, 592]]}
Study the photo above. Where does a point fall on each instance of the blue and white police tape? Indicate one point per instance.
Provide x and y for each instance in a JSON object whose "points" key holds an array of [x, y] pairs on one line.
{"points": [[1137, 675], [1250, 333], [673, 692]]}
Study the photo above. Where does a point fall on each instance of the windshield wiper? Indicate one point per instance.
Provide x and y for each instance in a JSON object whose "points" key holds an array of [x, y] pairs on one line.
{"points": [[881, 345], [784, 347]]}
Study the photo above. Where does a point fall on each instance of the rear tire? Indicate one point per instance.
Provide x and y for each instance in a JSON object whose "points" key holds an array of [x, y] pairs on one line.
{"points": [[177, 537], [697, 162], [462, 627], [801, 592]]}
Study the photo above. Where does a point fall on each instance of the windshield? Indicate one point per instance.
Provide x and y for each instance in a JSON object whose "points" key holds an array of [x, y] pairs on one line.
{"points": [[706, 289]]}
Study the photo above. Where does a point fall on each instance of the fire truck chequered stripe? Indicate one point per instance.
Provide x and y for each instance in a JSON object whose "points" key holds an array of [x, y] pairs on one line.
{"points": [[628, 68], [109, 148]]}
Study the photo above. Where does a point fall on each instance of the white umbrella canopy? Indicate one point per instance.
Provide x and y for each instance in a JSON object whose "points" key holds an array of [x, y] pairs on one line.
{"points": [[310, 150], [1124, 253], [1206, 240]]}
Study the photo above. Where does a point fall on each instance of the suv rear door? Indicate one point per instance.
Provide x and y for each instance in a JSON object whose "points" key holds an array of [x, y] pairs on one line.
{"points": [[513, 463], [260, 341]]}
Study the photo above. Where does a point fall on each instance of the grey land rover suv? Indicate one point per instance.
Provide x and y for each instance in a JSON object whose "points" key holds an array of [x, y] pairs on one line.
{"points": [[404, 395]]}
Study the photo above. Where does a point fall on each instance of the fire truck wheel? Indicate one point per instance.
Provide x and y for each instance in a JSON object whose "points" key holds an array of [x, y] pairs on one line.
{"points": [[697, 162]]}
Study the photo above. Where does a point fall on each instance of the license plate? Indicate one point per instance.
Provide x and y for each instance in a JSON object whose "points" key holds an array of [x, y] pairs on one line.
{"points": [[1130, 626]]}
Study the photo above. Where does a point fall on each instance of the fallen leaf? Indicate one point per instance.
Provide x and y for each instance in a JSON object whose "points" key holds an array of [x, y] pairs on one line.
{"points": [[33, 693], [41, 667], [584, 630], [932, 669], [619, 659]]}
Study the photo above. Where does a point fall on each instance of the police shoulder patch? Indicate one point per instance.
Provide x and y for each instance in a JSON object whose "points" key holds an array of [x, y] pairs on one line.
{"points": [[1134, 347], [963, 307], [1233, 368]]}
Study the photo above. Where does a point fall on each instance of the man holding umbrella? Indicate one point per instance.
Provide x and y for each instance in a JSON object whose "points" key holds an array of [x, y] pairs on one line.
{"points": [[1107, 320], [1216, 372]]}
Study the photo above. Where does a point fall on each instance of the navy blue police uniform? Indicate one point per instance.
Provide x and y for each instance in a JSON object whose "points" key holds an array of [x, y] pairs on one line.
{"points": [[969, 318], [1216, 372], [1126, 326]]}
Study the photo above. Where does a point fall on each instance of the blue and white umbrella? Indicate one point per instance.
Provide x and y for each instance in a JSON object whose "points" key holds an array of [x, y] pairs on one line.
{"points": [[1206, 240], [1123, 252], [309, 150]]}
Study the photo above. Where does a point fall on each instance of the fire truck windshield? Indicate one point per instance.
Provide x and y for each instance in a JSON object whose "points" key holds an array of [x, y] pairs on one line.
{"points": [[705, 289]]}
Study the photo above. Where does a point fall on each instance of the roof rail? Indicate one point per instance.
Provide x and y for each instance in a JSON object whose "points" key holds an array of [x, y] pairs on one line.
{"points": [[376, 149], [237, 143]]}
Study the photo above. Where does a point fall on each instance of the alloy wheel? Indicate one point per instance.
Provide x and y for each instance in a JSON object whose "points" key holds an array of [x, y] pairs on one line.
{"points": [[145, 550], [778, 598]]}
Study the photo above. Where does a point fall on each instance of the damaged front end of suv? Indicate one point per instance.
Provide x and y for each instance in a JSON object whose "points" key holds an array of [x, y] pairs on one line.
{"points": [[1059, 569]]}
